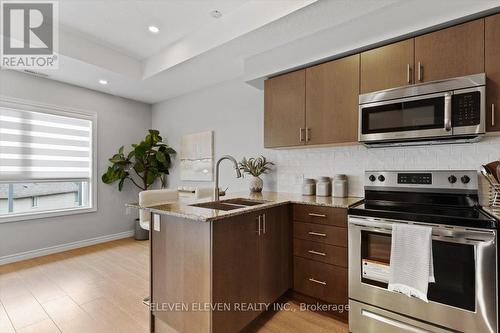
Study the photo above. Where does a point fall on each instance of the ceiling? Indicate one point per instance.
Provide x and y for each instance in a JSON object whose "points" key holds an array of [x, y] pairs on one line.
{"points": [[109, 39], [123, 24]]}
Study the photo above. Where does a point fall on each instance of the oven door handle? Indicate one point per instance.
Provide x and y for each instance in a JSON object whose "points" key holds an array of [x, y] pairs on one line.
{"points": [[438, 233], [447, 111]]}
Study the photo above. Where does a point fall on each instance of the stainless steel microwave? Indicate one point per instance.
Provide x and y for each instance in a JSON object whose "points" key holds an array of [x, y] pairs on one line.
{"points": [[436, 111]]}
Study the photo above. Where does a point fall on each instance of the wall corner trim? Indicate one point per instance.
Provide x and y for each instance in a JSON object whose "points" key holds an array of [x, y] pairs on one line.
{"points": [[63, 247]]}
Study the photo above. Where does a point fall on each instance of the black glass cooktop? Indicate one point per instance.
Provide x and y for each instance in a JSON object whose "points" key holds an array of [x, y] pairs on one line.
{"points": [[473, 217]]}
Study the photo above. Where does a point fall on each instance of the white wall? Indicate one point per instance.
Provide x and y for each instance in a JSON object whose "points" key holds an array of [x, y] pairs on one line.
{"points": [[354, 160], [120, 122], [234, 111]]}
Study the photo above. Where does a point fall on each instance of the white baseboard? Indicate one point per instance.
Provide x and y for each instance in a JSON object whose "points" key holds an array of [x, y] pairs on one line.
{"points": [[63, 247]]}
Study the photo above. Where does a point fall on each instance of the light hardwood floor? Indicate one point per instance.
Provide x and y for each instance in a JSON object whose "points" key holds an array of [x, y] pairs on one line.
{"points": [[100, 289]]}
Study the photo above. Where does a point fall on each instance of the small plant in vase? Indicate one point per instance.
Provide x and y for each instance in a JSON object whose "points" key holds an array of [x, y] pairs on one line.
{"points": [[255, 167]]}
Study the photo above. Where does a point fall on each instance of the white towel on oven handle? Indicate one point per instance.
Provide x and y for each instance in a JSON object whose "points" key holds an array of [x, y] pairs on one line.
{"points": [[411, 265]]}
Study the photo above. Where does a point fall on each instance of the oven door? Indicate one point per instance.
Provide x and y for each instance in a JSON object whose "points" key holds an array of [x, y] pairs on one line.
{"points": [[464, 297], [417, 117]]}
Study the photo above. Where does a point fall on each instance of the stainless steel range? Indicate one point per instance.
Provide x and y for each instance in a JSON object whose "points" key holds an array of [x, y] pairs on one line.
{"points": [[464, 297]]}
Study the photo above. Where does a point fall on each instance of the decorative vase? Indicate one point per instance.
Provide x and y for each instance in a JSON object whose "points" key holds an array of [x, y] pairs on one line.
{"points": [[256, 184]]}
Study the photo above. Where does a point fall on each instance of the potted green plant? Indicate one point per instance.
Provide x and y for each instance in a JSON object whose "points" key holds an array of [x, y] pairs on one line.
{"points": [[255, 167], [147, 162]]}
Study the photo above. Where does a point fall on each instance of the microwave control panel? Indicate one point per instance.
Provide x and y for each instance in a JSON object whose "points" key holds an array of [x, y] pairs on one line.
{"points": [[466, 109]]}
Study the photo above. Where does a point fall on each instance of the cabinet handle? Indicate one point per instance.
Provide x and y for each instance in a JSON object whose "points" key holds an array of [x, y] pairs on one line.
{"points": [[301, 138], [492, 114], [447, 111], [258, 225], [420, 70], [408, 73], [317, 253], [312, 233], [317, 215], [317, 281], [264, 223], [308, 134]]}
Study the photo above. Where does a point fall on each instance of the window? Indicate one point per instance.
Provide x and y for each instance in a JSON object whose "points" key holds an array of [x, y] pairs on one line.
{"points": [[47, 159]]}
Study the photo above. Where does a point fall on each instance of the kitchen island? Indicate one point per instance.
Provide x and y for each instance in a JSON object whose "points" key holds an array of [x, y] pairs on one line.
{"points": [[217, 270]]}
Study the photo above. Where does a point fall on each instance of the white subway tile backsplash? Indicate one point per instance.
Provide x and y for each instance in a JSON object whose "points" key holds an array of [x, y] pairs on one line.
{"points": [[295, 164]]}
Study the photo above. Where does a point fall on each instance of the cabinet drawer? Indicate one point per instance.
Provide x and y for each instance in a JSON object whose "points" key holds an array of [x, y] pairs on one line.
{"points": [[322, 215], [329, 254], [322, 281], [320, 233]]}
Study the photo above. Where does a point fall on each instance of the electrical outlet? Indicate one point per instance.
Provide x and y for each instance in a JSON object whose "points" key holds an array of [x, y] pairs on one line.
{"points": [[156, 222]]}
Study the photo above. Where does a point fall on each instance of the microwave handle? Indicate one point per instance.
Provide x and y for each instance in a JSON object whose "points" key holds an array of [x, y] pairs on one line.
{"points": [[447, 111]]}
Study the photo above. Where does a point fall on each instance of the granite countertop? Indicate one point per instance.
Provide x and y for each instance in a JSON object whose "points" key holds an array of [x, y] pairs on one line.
{"points": [[183, 209]]}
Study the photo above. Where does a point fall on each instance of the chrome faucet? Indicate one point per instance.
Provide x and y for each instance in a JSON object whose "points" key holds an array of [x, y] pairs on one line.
{"points": [[238, 173]]}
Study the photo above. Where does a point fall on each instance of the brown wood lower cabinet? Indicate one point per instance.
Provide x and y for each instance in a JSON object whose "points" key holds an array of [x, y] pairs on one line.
{"points": [[320, 255], [320, 233], [325, 282], [250, 267], [329, 254], [227, 268], [235, 275], [274, 254], [320, 214], [180, 272], [232, 264]]}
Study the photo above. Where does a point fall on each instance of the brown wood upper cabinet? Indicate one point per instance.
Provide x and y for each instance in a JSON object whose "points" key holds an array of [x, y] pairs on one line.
{"points": [[387, 66], [319, 105], [492, 69], [332, 91], [451, 52], [284, 105]]}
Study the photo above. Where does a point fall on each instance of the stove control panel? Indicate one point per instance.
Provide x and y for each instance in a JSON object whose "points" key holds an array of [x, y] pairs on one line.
{"points": [[414, 178], [439, 179]]}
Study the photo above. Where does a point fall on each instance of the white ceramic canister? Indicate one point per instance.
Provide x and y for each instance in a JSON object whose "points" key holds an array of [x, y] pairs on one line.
{"points": [[324, 187], [309, 187], [340, 186]]}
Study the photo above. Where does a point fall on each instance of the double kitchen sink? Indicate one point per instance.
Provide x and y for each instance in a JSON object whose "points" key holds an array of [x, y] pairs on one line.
{"points": [[230, 204]]}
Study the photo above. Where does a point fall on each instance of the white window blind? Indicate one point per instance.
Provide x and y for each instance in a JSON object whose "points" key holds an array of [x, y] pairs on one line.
{"points": [[43, 146]]}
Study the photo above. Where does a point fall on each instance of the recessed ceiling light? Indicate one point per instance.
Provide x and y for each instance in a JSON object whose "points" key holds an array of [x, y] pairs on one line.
{"points": [[153, 29], [103, 82], [215, 13]]}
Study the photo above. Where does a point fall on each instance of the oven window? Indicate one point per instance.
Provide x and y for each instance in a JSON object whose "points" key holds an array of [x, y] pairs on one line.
{"points": [[405, 116], [454, 269]]}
